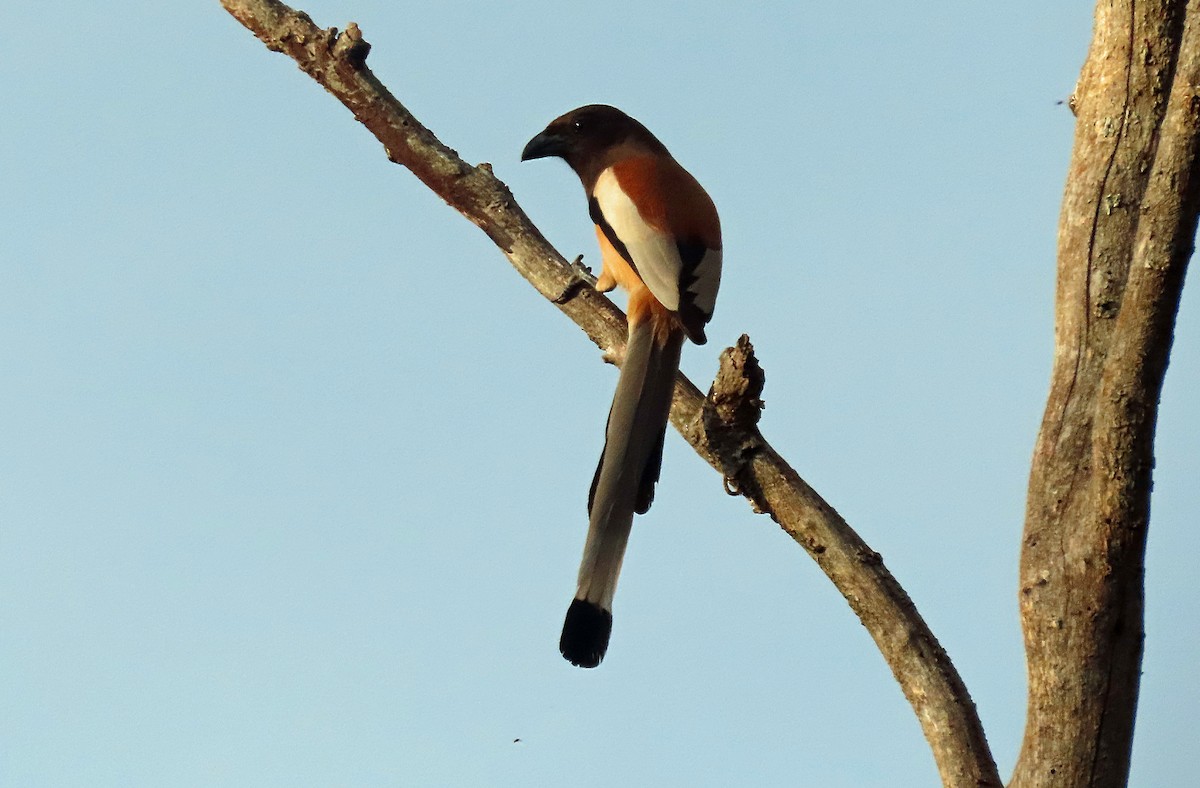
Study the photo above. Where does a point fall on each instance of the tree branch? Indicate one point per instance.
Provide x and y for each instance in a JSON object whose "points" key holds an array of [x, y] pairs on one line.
{"points": [[722, 429], [1125, 235]]}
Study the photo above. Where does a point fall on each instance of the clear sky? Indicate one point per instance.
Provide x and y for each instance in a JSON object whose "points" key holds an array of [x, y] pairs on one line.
{"points": [[293, 466]]}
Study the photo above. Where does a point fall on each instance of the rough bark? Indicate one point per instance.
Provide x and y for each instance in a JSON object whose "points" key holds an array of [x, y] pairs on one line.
{"points": [[1125, 235], [722, 429]]}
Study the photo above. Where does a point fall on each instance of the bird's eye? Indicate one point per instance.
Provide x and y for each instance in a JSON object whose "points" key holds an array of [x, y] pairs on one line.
{"points": [[577, 125]]}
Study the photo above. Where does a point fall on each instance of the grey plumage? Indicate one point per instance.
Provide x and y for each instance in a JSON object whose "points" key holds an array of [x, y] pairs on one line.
{"points": [[623, 484]]}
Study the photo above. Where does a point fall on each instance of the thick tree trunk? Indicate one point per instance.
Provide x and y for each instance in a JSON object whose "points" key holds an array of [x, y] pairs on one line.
{"points": [[1125, 235]]}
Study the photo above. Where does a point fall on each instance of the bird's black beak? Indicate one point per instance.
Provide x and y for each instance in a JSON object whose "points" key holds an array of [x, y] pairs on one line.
{"points": [[545, 144]]}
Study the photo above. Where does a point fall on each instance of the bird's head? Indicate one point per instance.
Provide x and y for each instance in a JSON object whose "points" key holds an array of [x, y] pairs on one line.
{"points": [[588, 138]]}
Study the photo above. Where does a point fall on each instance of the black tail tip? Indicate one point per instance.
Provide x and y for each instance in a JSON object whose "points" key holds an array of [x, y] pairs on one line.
{"points": [[585, 634]]}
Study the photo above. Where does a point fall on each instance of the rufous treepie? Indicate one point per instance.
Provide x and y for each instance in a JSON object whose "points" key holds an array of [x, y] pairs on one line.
{"points": [[660, 239]]}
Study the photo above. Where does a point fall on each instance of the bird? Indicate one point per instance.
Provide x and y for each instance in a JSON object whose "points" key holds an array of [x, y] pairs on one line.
{"points": [[660, 240]]}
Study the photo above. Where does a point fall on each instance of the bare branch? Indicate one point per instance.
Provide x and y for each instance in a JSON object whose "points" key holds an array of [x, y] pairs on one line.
{"points": [[1125, 235], [721, 429]]}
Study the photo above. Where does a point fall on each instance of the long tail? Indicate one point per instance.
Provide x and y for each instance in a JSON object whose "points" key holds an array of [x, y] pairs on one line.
{"points": [[623, 485]]}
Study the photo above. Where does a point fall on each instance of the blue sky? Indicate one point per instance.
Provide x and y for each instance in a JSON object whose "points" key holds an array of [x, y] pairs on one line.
{"points": [[294, 465]]}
